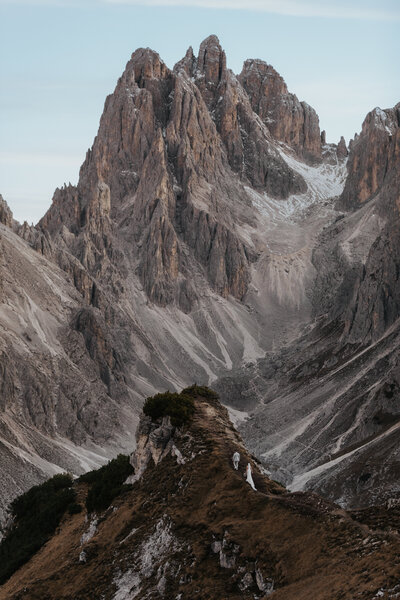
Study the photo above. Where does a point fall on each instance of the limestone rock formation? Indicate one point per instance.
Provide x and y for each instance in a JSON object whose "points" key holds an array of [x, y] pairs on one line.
{"points": [[248, 145], [290, 121], [342, 151], [163, 139], [153, 442], [374, 177], [57, 412], [5, 213], [373, 155]]}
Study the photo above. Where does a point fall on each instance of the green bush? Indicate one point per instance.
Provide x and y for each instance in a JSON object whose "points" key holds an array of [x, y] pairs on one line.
{"points": [[200, 390], [106, 483], [180, 407], [36, 514]]}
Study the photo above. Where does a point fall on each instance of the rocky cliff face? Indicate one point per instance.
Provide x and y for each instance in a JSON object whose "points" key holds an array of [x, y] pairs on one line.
{"points": [[51, 377], [374, 178], [290, 121], [172, 151], [6, 217], [342, 150], [374, 154], [192, 526], [247, 143]]}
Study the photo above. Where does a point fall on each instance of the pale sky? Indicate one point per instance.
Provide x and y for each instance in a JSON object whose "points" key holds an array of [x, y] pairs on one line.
{"points": [[60, 58]]}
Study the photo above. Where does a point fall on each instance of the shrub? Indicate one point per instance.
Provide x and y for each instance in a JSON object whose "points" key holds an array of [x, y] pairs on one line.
{"points": [[200, 390], [180, 407], [36, 514], [74, 508], [106, 483]]}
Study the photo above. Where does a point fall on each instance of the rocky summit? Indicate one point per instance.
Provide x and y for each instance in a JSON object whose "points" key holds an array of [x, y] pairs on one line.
{"points": [[214, 237]]}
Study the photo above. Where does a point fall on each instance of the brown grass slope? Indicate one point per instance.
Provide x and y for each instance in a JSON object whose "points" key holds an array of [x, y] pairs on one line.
{"points": [[198, 531]]}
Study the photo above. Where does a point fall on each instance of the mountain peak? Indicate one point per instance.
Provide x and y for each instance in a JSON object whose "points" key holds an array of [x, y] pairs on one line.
{"points": [[148, 65], [211, 60], [187, 63], [293, 122], [211, 41], [373, 156]]}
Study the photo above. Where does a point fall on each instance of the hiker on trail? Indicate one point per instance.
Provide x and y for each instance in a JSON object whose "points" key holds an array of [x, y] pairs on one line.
{"points": [[249, 477], [236, 460]]}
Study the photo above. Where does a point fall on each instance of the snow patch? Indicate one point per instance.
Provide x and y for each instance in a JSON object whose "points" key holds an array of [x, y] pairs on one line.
{"points": [[323, 182], [382, 121]]}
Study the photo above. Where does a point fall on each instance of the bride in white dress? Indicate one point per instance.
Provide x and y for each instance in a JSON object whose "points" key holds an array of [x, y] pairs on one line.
{"points": [[249, 477]]}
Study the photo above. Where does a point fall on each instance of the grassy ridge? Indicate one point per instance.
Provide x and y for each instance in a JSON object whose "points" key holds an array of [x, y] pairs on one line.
{"points": [[37, 513]]}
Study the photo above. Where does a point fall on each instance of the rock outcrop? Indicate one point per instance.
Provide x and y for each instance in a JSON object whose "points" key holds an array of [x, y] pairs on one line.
{"points": [[154, 441], [290, 121], [342, 151], [374, 177], [374, 154], [58, 378], [6, 216], [249, 146]]}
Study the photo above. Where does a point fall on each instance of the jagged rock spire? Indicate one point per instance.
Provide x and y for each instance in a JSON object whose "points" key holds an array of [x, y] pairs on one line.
{"points": [[211, 60], [187, 63], [342, 151], [374, 155], [289, 120], [6, 216]]}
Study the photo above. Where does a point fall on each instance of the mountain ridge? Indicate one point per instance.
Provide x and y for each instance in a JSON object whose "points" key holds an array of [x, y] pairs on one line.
{"points": [[192, 525]]}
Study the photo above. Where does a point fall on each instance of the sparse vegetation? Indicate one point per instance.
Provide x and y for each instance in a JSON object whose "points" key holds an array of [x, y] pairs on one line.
{"points": [[107, 483], [200, 390], [36, 515], [180, 407], [75, 508]]}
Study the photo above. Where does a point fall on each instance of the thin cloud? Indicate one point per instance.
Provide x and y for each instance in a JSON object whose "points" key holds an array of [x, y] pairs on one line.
{"points": [[293, 8], [33, 2]]}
